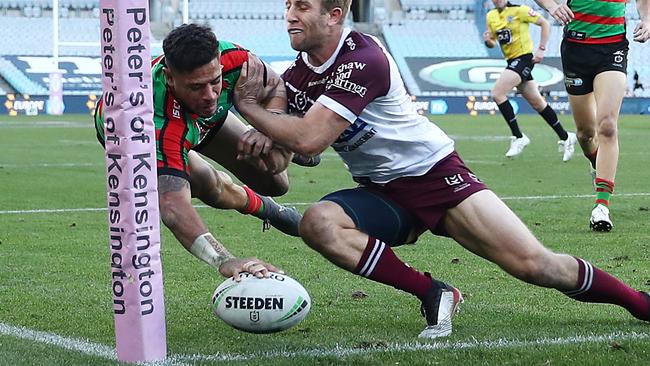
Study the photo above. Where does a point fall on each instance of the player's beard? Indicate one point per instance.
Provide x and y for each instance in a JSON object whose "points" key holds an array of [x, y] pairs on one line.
{"points": [[310, 39]]}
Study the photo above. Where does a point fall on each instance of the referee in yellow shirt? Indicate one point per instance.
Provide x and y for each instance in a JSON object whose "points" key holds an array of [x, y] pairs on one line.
{"points": [[508, 25]]}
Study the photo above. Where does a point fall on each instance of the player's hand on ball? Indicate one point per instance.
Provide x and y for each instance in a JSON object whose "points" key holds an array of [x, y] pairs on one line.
{"points": [[233, 267], [642, 31]]}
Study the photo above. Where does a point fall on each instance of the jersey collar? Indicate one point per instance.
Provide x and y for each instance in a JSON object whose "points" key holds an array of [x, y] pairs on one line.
{"points": [[320, 69]]}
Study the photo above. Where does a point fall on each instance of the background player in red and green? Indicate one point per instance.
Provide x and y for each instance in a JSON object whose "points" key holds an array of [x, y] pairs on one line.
{"points": [[193, 82], [594, 58]]}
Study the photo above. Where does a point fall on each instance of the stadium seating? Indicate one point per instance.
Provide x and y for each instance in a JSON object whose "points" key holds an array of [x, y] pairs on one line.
{"points": [[250, 9], [266, 37], [18, 80], [420, 28]]}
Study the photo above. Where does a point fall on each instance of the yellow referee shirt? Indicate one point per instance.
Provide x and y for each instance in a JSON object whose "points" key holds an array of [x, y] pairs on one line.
{"points": [[510, 28]]}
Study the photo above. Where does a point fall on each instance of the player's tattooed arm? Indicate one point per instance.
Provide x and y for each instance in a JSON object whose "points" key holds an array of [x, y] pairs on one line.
{"points": [[171, 183], [176, 210]]}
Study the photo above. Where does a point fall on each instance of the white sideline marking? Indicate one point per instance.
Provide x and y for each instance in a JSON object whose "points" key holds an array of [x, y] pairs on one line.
{"points": [[506, 198], [107, 352]]}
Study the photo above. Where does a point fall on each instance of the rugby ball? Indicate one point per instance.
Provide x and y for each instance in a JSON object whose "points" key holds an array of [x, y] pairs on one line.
{"points": [[261, 305]]}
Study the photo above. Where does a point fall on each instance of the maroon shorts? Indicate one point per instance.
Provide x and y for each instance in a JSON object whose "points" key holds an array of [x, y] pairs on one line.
{"points": [[428, 197]]}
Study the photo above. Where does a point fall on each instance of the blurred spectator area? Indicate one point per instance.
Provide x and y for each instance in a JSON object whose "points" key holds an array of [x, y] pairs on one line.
{"points": [[408, 28]]}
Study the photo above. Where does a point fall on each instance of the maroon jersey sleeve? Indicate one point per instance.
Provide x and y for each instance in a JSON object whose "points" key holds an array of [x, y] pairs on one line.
{"points": [[359, 75]]}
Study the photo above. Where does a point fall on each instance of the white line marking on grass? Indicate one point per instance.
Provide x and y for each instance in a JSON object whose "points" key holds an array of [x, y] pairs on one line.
{"points": [[79, 345], [342, 352], [82, 346], [52, 124], [49, 165], [555, 197], [506, 198], [103, 351]]}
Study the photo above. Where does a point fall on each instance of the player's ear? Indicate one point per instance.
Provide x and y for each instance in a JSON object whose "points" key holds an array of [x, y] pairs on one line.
{"points": [[336, 16], [169, 75]]}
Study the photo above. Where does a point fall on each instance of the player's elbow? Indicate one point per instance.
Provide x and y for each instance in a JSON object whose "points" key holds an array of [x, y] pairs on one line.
{"points": [[309, 147]]}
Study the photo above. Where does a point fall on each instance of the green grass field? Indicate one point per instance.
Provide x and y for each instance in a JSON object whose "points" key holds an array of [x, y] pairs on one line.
{"points": [[55, 297]]}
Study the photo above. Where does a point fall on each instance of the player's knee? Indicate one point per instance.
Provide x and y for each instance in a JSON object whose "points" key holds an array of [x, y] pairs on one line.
{"points": [[277, 186], [316, 227], [497, 96], [531, 268], [585, 135], [538, 104], [607, 127]]}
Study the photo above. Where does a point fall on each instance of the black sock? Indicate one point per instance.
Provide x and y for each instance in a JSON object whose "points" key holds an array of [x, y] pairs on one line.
{"points": [[509, 115], [551, 118]]}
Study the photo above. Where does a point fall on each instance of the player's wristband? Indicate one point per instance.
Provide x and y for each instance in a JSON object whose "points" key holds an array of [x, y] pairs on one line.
{"points": [[543, 48], [207, 249]]}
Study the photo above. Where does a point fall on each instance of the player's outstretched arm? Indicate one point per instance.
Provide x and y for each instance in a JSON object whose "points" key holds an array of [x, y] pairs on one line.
{"points": [[181, 218], [642, 29], [308, 135], [559, 11]]}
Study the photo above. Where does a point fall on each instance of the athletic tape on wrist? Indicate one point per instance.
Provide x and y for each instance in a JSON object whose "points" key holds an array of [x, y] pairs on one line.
{"points": [[203, 249]]}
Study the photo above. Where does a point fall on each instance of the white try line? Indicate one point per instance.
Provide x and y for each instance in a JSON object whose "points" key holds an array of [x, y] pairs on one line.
{"points": [[506, 198], [339, 351]]}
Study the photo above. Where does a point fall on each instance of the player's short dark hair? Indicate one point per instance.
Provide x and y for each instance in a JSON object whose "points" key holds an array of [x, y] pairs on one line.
{"points": [[189, 47], [328, 5]]}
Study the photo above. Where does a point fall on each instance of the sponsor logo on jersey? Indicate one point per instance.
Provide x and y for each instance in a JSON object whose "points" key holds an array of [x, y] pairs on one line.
{"points": [[318, 82], [344, 142], [176, 109], [350, 43], [358, 126], [341, 79]]}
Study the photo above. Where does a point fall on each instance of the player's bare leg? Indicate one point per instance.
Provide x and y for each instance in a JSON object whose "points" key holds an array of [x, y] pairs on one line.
{"points": [[484, 225], [217, 189], [222, 148], [504, 85], [609, 90], [327, 229]]}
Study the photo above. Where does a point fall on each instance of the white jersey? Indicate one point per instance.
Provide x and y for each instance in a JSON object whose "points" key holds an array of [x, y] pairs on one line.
{"points": [[387, 138]]}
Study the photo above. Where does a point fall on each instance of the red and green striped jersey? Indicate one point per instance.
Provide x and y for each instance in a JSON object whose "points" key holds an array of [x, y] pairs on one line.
{"points": [[177, 129], [596, 21]]}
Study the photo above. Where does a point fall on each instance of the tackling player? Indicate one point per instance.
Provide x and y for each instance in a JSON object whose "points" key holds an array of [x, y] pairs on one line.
{"points": [[508, 26], [594, 58], [345, 91]]}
